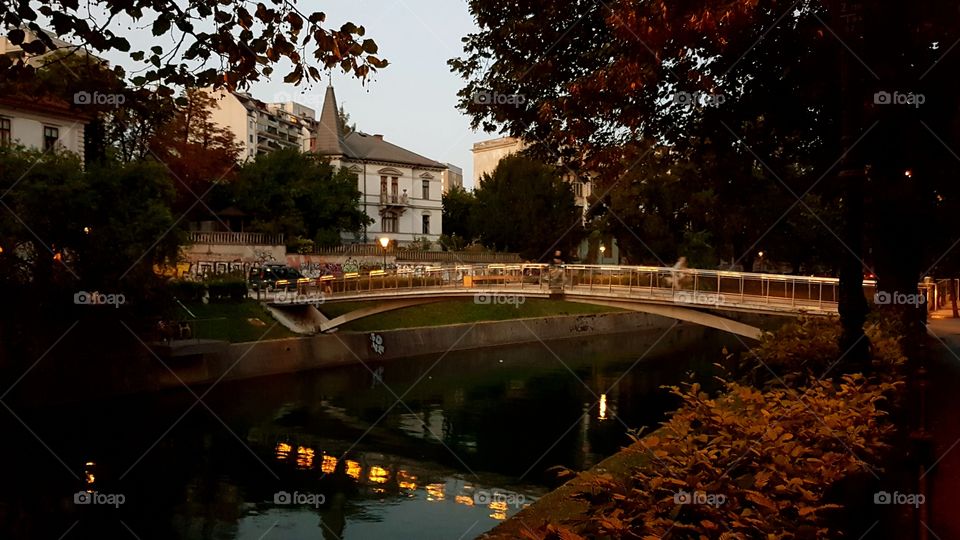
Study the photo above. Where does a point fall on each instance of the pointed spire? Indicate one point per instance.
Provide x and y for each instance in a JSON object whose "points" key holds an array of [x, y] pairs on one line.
{"points": [[329, 142]]}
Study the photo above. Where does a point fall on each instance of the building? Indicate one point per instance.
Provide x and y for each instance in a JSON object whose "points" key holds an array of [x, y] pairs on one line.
{"points": [[452, 177], [45, 124], [262, 127], [400, 190]]}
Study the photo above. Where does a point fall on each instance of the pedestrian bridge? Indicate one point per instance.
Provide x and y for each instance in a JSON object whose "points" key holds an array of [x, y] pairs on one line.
{"points": [[710, 298]]}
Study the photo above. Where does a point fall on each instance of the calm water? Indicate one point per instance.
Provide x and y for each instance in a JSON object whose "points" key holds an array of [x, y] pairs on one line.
{"points": [[332, 454]]}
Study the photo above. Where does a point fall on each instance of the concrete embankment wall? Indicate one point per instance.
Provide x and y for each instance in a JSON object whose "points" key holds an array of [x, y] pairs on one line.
{"points": [[245, 360]]}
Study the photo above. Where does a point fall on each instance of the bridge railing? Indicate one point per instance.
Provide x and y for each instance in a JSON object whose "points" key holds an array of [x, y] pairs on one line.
{"points": [[681, 286]]}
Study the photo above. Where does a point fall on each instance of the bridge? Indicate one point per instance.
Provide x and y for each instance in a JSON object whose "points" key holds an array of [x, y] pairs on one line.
{"points": [[705, 297]]}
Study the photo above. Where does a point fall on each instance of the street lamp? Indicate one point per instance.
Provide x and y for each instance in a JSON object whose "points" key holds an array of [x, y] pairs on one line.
{"points": [[603, 249], [760, 254], [384, 242]]}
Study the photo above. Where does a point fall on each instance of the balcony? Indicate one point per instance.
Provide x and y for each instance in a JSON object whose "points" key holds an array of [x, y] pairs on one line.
{"points": [[395, 204]]}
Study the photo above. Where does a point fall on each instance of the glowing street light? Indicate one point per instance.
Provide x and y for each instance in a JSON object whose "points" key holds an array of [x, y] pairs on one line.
{"points": [[603, 250], [384, 242]]}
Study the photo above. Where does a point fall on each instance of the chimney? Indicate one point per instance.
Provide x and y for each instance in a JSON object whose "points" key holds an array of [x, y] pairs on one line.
{"points": [[378, 137]]}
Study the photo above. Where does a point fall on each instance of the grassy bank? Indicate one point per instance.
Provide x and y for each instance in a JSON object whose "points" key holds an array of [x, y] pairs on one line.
{"points": [[458, 312], [234, 321]]}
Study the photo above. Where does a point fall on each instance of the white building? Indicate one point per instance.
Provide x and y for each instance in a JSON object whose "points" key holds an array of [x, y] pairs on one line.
{"points": [[45, 124], [264, 127], [400, 190]]}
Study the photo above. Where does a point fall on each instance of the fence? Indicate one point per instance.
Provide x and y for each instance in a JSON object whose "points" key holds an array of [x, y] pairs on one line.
{"points": [[416, 255], [236, 238]]}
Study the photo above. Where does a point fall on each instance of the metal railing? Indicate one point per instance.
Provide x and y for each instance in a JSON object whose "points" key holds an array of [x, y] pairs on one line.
{"points": [[704, 288]]}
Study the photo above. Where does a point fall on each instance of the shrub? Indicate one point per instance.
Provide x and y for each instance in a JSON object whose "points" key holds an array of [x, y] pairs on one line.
{"points": [[227, 288], [187, 291]]}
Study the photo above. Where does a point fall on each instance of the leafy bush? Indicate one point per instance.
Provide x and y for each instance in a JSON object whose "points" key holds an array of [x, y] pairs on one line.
{"points": [[759, 463], [227, 288], [187, 291]]}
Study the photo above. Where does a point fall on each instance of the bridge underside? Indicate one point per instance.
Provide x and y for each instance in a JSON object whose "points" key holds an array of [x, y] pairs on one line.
{"points": [[680, 313]]}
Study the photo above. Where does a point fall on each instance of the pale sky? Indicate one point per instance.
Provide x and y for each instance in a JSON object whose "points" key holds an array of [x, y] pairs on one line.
{"points": [[411, 102]]}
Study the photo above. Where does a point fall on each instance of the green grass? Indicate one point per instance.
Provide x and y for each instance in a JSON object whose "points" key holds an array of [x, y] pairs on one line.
{"points": [[230, 321], [458, 312]]}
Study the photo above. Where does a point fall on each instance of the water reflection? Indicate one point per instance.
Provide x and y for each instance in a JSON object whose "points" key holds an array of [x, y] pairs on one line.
{"points": [[467, 447]]}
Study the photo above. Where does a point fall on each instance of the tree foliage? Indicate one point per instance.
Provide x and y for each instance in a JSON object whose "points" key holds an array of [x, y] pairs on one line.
{"points": [[299, 195], [527, 207], [458, 207], [228, 43]]}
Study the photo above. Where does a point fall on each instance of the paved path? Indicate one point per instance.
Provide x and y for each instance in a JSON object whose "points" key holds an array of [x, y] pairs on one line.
{"points": [[943, 405]]}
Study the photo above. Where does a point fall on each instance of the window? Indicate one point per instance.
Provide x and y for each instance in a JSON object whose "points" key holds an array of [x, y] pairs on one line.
{"points": [[6, 135], [426, 224], [426, 189], [50, 137], [383, 185], [389, 223], [394, 187]]}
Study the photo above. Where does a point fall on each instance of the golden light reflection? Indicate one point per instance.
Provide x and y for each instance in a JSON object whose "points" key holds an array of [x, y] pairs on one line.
{"points": [[603, 407], [305, 457], [329, 464], [463, 499], [88, 473], [283, 451], [406, 480], [499, 510], [378, 475], [435, 492], [353, 469]]}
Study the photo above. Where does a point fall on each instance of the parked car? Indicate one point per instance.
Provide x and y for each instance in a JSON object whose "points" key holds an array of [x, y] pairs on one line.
{"points": [[267, 276]]}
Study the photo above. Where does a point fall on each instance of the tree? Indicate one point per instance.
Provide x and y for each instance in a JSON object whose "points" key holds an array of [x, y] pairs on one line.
{"points": [[458, 209], [197, 152], [301, 196], [744, 100], [346, 127], [526, 206], [221, 44]]}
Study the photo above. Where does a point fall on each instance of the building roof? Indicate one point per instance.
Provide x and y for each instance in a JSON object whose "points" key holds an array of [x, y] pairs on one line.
{"points": [[361, 146]]}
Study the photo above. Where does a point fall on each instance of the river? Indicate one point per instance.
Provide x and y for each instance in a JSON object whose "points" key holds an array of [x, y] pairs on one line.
{"points": [[440, 446]]}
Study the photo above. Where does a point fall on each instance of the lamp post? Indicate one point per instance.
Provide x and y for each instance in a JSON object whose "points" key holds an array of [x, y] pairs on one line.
{"points": [[603, 250], [760, 254], [384, 242]]}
